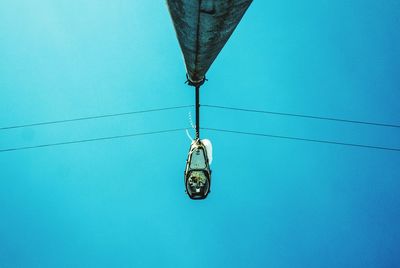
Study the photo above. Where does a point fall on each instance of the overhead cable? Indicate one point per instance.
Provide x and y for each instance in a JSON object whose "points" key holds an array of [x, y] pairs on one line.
{"points": [[303, 139], [204, 105], [303, 116], [95, 117], [204, 128], [90, 140]]}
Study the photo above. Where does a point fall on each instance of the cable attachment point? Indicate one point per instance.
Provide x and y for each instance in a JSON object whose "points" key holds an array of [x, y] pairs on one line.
{"points": [[195, 83]]}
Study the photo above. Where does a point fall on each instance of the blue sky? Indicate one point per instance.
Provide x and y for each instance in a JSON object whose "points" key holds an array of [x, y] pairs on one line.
{"points": [[274, 203]]}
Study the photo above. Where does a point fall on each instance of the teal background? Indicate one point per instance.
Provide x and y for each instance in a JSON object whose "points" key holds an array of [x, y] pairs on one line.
{"points": [[274, 203]]}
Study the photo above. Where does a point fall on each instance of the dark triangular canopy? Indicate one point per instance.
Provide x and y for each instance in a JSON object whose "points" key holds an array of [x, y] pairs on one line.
{"points": [[203, 27]]}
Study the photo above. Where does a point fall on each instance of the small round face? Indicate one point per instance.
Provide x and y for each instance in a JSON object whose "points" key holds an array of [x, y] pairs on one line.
{"points": [[197, 185]]}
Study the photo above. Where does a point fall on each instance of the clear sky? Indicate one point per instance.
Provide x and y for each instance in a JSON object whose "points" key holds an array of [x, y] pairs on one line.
{"points": [[274, 202]]}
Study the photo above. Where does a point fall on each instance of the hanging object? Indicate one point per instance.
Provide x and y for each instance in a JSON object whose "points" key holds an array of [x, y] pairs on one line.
{"points": [[197, 171], [203, 27]]}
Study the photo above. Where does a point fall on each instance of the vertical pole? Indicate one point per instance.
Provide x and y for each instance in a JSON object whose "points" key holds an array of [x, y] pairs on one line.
{"points": [[197, 112]]}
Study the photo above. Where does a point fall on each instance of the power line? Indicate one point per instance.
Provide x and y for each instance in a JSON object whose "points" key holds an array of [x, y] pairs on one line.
{"points": [[304, 139], [204, 105], [303, 116], [95, 117], [89, 140], [211, 129]]}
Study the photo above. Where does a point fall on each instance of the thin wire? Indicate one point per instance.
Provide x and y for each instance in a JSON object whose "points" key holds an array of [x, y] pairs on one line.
{"points": [[95, 117], [211, 129], [204, 105], [89, 140], [303, 116], [304, 139]]}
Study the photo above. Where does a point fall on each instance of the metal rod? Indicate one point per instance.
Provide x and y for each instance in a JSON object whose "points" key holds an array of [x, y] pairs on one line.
{"points": [[197, 112]]}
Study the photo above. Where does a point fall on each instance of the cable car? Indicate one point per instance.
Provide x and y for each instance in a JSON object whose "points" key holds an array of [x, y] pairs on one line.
{"points": [[197, 171]]}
